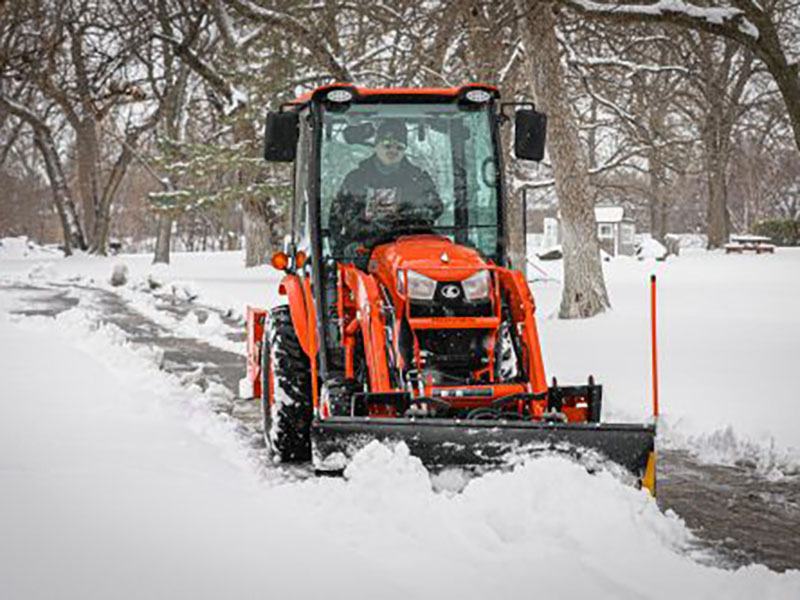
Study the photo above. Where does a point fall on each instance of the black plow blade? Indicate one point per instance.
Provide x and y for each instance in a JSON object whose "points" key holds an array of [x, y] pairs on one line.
{"points": [[443, 443]]}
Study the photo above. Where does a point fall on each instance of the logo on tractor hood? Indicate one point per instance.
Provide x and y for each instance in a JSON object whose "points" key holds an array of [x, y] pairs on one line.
{"points": [[451, 291]]}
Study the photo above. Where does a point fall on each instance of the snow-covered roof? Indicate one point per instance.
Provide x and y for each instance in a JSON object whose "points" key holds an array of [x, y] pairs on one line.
{"points": [[609, 214]]}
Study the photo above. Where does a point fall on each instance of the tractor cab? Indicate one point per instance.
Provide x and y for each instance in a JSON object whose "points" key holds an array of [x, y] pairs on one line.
{"points": [[409, 167]]}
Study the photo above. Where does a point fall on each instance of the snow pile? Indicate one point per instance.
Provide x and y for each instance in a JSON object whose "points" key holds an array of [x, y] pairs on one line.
{"points": [[546, 504], [163, 279], [541, 521], [726, 447], [649, 247], [211, 330], [15, 248], [201, 323], [697, 241], [158, 276]]}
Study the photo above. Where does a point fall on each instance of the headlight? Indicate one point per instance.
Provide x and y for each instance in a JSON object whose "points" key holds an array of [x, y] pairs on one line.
{"points": [[420, 287], [476, 287]]}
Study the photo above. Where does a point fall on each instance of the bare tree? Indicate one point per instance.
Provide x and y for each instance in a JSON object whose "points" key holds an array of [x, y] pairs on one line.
{"points": [[62, 197], [19, 100], [722, 79], [768, 28], [584, 293], [80, 59]]}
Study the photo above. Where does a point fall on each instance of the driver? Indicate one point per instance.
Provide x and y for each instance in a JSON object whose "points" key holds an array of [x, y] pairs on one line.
{"points": [[384, 192]]}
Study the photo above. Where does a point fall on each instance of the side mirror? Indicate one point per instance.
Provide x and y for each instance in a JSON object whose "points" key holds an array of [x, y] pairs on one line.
{"points": [[280, 136], [530, 133]]}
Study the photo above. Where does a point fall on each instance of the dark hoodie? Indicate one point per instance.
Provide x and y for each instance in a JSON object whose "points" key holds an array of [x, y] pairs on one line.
{"points": [[359, 212]]}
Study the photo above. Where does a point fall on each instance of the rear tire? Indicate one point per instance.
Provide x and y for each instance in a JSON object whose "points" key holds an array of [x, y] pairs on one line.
{"points": [[286, 405]]}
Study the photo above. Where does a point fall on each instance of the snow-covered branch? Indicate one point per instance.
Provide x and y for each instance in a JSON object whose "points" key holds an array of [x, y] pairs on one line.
{"points": [[712, 19], [317, 45], [619, 160], [234, 97], [744, 21]]}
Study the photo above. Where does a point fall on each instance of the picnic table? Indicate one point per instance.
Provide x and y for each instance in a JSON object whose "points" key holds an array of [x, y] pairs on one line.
{"points": [[759, 244]]}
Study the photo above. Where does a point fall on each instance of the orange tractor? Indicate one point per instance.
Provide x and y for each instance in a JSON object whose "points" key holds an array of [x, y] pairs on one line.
{"points": [[416, 331]]}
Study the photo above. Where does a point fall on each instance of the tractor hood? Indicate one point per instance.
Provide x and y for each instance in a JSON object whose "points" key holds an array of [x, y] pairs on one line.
{"points": [[434, 256]]}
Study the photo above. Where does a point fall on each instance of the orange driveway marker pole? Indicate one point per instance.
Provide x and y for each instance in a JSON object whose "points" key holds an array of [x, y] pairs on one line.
{"points": [[654, 353]]}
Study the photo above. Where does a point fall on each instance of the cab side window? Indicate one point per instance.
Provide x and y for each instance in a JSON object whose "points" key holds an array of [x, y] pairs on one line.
{"points": [[301, 184]]}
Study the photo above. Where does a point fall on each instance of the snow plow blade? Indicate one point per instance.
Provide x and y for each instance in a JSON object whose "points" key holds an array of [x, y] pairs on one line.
{"points": [[443, 443]]}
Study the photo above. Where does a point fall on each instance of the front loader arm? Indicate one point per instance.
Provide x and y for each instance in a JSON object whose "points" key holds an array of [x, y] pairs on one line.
{"points": [[523, 307], [360, 291]]}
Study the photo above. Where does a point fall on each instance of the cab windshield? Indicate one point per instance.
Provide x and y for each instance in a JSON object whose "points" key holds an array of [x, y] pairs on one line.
{"points": [[440, 155]]}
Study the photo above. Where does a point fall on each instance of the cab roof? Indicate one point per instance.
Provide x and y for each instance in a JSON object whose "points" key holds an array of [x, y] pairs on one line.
{"points": [[397, 93]]}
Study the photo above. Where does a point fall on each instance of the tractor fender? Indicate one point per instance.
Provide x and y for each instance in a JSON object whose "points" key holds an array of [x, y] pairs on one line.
{"points": [[301, 308]]}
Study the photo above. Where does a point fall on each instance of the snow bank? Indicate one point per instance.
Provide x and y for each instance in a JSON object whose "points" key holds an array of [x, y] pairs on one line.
{"points": [[16, 248], [215, 278], [726, 447], [650, 247]]}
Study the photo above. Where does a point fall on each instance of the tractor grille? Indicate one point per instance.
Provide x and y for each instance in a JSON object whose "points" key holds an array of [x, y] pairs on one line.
{"points": [[449, 303], [457, 352]]}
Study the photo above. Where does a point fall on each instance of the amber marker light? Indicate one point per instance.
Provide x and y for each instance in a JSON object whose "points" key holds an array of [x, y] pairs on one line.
{"points": [[280, 261]]}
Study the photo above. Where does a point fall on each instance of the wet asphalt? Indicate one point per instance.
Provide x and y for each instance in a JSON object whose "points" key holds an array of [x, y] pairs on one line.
{"points": [[737, 515]]}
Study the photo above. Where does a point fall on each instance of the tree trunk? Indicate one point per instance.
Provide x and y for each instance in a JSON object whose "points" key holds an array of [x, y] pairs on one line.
{"points": [[58, 199], [716, 137], [103, 225], [163, 239], [258, 241], [657, 213], [256, 214], [789, 85], [584, 293], [87, 152], [515, 230], [658, 216], [62, 199], [717, 216], [484, 59]]}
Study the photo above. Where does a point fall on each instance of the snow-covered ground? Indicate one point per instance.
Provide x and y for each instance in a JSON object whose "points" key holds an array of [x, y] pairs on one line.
{"points": [[729, 342], [729, 335], [119, 482]]}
